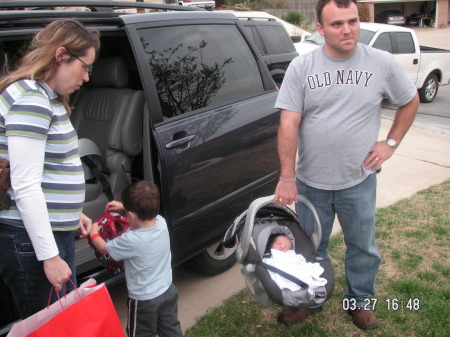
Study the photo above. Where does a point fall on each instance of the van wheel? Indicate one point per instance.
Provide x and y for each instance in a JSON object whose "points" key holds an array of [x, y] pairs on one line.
{"points": [[213, 261], [429, 89]]}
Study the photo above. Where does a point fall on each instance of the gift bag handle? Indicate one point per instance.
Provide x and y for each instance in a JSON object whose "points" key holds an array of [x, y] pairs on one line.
{"points": [[57, 294]]}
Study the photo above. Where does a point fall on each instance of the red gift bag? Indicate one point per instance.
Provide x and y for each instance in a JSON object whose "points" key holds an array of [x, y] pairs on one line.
{"points": [[85, 312], [113, 225]]}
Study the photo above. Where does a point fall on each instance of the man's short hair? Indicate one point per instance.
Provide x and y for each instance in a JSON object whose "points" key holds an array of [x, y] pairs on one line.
{"points": [[143, 199], [340, 3]]}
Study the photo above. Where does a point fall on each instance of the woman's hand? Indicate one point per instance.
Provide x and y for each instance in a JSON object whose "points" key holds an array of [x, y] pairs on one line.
{"points": [[57, 272], [85, 226]]}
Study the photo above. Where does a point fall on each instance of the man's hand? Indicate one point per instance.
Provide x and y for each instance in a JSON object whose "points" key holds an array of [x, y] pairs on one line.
{"points": [[285, 193], [379, 153], [57, 272]]}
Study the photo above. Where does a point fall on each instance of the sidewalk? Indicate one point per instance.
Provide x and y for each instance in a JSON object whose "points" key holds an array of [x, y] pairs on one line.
{"points": [[422, 160]]}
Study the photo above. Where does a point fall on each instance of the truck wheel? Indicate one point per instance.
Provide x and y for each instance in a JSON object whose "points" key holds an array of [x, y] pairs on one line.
{"points": [[213, 261], [277, 77], [429, 89]]}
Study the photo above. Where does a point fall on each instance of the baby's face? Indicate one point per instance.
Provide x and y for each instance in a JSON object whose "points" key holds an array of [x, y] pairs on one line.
{"points": [[282, 243]]}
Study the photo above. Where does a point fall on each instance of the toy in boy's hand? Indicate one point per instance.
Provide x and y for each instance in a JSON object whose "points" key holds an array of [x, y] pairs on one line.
{"points": [[5, 183], [112, 225]]}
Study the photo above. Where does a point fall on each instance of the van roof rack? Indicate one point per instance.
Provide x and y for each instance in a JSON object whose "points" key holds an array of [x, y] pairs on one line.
{"points": [[93, 6]]}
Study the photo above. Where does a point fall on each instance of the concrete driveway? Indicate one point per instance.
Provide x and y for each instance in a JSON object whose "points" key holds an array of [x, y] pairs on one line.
{"points": [[422, 160]]}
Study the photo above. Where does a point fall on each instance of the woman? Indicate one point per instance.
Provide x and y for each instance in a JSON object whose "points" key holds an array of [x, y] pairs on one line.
{"points": [[37, 249]]}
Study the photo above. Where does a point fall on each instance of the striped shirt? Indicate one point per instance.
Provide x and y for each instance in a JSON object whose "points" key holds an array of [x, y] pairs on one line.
{"points": [[29, 109]]}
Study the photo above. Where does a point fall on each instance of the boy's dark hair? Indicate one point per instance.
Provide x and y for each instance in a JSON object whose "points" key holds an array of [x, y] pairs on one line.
{"points": [[142, 198], [340, 3]]}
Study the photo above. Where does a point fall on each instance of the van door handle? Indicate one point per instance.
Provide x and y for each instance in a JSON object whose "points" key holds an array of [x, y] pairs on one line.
{"points": [[415, 61], [179, 142]]}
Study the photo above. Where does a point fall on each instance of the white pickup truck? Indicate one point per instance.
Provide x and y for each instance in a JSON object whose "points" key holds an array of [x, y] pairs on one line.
{"points": [[427, 67]]}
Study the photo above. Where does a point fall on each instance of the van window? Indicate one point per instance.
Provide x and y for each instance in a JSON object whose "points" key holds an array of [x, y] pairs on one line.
{"points": [[199, 65], [253, 33]]}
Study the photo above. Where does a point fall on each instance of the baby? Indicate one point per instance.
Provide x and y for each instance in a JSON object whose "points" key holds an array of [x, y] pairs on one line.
{"points": [[284, 258], [281, 242]]}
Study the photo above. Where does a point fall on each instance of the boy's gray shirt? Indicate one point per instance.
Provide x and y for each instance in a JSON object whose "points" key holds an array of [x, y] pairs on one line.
{"points": [[340, 102], [147, 259]]}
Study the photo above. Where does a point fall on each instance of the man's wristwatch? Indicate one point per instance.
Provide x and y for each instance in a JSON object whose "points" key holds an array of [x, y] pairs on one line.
{"points": [[391, 142]]}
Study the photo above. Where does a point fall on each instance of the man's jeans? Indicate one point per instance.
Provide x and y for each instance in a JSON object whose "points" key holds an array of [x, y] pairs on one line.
{"points": [[24, 274], [355, 208]]}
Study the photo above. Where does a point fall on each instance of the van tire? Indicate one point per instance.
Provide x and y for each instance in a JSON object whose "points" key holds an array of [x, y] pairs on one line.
{"points": [[213, 261]]}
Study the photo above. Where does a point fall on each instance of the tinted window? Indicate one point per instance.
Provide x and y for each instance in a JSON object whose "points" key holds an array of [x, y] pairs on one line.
{"points": [[251, 31], [199, 65], [405, 43], [276, 40], [383, 42], [366, 36]]}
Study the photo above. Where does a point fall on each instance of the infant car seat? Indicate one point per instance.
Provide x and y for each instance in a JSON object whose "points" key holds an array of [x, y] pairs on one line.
{"points": [[251, 232]]}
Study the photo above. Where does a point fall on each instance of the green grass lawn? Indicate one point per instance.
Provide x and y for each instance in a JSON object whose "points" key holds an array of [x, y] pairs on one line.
{"points": [[413, 285]]}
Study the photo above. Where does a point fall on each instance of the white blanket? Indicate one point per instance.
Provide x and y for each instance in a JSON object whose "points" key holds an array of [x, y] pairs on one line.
{"points": [[296, 265]]}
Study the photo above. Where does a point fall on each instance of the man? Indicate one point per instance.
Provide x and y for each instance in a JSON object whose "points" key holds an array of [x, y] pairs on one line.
{"points": [[330, 106]]}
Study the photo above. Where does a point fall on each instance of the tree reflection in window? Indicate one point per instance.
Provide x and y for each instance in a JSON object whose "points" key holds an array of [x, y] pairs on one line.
{"points": [[185, 82]]}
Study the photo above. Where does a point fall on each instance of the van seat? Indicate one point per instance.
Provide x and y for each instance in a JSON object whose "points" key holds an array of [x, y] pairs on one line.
{"points": [[110, 114]]}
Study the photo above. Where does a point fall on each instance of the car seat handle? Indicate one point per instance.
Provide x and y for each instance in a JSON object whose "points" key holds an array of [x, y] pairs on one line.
{"points": [[255, 206]]}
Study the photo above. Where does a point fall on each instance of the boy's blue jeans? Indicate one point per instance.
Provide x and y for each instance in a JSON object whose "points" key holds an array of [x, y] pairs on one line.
{"points": [[24, 274], [355, 208]]}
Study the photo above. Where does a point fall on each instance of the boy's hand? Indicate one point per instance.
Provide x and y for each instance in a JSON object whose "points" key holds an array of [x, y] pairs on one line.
{"points": [[95, 228], [99, 243], [116, 206]]}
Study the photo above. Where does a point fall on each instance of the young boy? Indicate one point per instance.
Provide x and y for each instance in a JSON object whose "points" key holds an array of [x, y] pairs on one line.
{"points": [[152, 302]]}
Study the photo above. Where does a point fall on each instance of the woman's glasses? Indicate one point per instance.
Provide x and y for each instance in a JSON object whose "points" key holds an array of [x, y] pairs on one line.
{"points": [[88, 67]]}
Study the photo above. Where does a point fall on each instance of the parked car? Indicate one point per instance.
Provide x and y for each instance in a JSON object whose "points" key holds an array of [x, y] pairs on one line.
{"points": [[310, 43], [180, 97], [295, 32], [274, 44], [427, 67], [208, 5], [391, 17], [412, 20]]}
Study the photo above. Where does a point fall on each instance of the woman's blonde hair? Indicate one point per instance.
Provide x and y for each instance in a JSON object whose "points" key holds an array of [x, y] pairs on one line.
{"points": [[39, 62]]}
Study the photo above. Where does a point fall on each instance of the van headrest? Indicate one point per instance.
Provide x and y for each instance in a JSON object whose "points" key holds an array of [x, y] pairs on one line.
{"points": [[110, 72]]}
